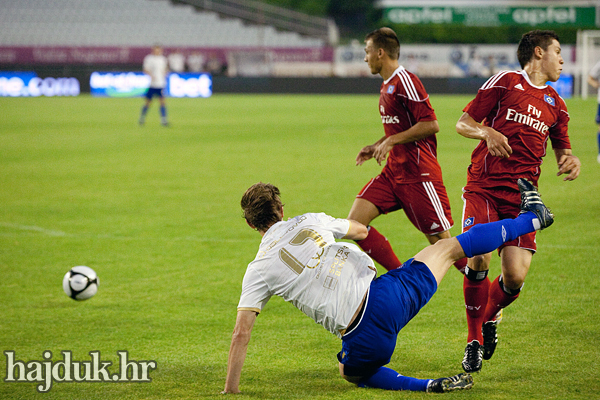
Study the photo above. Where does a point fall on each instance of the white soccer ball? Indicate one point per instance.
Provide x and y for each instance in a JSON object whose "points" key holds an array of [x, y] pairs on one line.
{"points": [[81, 283]]}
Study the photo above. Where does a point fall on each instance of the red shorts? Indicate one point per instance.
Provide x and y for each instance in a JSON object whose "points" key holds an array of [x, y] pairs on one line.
{"points": [[425, 203], [488, 205]]}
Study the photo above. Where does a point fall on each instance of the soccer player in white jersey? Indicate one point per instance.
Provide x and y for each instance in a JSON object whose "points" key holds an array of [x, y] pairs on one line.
{"points": [[335, 284], [156, 66]]}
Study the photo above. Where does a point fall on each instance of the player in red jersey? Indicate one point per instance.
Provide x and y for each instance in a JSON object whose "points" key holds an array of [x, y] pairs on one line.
{"points": [[412, 177], [513, 115]]}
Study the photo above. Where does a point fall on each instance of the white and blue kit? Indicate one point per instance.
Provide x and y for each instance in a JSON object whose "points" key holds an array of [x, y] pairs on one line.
{"points": [[300, 261]]}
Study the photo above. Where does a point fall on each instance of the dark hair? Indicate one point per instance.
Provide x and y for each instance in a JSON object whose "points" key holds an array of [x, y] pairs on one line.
{"points": [[530, 41], [261, 205], [386, 39]]}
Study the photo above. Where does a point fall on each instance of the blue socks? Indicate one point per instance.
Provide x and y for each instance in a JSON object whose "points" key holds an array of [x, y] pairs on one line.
{"points": [[163, 111], [389, 379], [144, 111], [484, 238]]}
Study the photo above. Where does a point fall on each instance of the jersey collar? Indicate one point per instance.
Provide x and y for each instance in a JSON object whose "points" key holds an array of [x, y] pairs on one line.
{"points": [[531, 84], [396, 72]]}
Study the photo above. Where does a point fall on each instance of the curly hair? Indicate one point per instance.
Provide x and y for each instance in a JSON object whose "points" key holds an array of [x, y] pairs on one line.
{"points": [[261, 205], [531, 40]]}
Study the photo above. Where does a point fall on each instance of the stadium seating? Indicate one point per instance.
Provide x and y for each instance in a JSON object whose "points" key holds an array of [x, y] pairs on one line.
{"points": [[130, 23]]}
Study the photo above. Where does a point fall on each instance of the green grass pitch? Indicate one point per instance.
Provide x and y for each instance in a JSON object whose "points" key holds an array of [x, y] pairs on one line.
{"points": [[155, 212]]}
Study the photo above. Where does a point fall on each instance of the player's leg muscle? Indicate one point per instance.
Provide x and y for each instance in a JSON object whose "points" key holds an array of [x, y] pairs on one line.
{"points": [[363, 211], [515, 265]]}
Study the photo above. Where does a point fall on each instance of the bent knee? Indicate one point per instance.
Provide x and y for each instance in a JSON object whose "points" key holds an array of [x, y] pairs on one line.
{"points": [[513, 281], [480, 262], [351, 379]]}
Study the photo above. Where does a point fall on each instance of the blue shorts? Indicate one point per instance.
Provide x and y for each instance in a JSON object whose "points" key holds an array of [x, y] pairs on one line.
{"points": [[151, 92], [394, 299]]}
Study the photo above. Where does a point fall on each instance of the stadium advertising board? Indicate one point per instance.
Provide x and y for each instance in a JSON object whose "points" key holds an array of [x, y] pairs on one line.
{"points": [[19, 84], [132, 84], [494, 15]]}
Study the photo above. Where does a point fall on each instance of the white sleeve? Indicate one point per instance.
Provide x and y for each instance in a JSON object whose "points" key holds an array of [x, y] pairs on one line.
{"points": [[255, 292], [339, 227], [146, 65]]}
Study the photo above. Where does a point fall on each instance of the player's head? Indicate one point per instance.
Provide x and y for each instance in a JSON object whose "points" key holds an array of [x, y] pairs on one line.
{"points": [[157, 49], [379, 45], [387, 40], [262, 206], [529, 41]]}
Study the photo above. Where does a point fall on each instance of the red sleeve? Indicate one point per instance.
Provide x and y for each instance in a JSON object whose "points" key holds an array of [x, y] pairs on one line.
{"points": [[559, 135], [483, 104], [417, 100]]}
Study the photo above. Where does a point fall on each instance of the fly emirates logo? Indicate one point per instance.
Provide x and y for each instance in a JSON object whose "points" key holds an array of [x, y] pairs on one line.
{"points": [[388, 119], [531, 119]]}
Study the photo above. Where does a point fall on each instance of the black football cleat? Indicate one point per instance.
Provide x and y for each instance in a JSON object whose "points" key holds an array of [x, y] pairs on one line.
{"points": [[456, 382], [473, 357], [490, 339], [531, 201]]}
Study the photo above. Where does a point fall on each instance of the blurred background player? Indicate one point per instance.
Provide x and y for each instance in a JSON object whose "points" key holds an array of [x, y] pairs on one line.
{"points": [[594, 81], [176, 61], [335, 284], [156, 66], [512, 115], [195, 62], [412, 177]]}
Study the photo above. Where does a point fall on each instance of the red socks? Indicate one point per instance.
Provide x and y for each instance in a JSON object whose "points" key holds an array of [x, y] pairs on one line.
{"points": [[483, 300], [461, 265], [379, 249], [498, 299], [476, 299]]}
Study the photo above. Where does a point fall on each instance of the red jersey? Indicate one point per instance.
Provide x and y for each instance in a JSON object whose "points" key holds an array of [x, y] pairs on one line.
{"points": [[403, 102], [528, 116]]}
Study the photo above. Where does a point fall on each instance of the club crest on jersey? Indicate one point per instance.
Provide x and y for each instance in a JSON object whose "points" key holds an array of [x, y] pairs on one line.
{"points": [[391, 88], [549, 100], [468, 222]]}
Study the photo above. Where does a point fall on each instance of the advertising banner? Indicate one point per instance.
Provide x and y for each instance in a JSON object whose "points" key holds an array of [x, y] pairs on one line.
{"points": [[18, 84], [133, 84], [549, 16]]}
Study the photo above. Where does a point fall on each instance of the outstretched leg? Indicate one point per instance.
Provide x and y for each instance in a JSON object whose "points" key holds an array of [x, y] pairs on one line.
{"points": [[484, 238], [388, 379]]}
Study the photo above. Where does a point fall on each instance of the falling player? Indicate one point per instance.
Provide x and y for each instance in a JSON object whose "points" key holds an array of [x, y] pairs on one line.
{"points": [[335, 284], [412, 177], [513, 115]]}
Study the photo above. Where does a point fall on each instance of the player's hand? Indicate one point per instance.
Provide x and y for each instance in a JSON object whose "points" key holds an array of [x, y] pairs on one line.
{"points": [[497, 143], [382, 151], [366, 153], [570, 165]]}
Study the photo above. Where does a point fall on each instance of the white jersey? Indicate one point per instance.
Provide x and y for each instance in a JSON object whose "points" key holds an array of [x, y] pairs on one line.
{"points": [[157, 67], [300, 261]]}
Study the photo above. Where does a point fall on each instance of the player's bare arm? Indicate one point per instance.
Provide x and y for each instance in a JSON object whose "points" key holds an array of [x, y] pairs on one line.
{"points": [[593, 82], [567, 164], [366, 153], [418, 131], [497, 143], [357, 231], [239, 347]]}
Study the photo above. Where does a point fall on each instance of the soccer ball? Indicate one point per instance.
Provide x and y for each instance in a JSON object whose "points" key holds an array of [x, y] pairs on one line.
{"points": [[80, 283]]}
